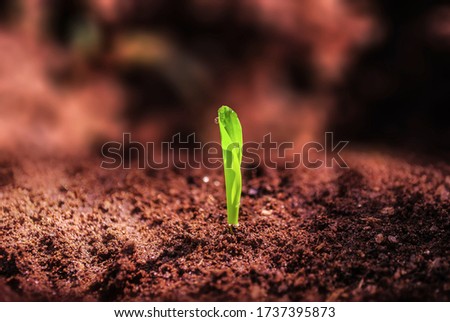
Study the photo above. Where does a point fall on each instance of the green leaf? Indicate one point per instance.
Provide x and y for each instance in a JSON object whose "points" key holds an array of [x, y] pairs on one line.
{"points": [[231, 137]]}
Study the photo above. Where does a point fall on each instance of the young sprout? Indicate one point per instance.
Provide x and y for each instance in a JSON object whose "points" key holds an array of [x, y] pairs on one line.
{"points": [[231, 137]]}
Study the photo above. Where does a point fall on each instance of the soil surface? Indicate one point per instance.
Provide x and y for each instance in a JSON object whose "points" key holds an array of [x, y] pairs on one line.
{"points": [[379, 230]]}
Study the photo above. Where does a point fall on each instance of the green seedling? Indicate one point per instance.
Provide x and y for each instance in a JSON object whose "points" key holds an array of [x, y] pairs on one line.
{"points": [[231, 137]]}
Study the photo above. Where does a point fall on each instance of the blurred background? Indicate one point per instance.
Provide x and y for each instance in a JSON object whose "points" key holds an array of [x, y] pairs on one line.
{"points": [[75, 74]]}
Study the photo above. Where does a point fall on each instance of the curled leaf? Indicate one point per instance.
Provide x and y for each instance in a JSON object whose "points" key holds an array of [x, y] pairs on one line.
{"points": [[231, 140]]}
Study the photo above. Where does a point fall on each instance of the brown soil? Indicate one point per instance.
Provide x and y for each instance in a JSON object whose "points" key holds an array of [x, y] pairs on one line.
{"points": [[377, 231]]}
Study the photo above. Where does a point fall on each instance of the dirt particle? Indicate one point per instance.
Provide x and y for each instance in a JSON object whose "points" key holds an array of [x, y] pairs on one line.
{"points": [[393, 239], [379, 238], [388, 211], [252, 192], [442, 193]]}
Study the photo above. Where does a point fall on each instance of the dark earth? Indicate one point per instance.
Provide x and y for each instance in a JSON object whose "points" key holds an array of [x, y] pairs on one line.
{"points": [[377, 231]]}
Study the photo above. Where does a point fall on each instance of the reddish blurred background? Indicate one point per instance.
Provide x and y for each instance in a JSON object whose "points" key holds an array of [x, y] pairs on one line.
{"points": [[75, 74]]}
